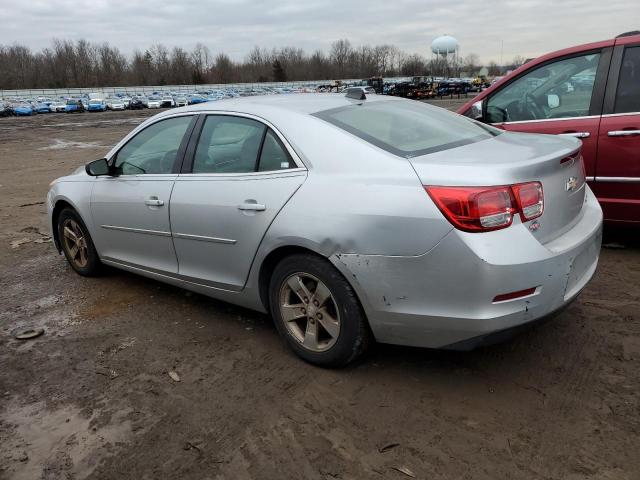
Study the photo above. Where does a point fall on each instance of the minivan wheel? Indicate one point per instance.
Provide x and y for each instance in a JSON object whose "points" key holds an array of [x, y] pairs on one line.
{"points": [[317, 312], [77, 245]]}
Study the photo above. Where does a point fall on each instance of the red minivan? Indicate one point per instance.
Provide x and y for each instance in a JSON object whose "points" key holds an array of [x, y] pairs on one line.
{"points": [[591, 92]]}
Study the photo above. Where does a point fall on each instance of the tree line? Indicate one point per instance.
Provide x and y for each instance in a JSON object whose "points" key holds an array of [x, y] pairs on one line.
{"points": [[68, 64]]}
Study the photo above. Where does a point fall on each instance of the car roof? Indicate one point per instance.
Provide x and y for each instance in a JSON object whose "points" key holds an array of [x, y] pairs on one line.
{"points": [[303, 103]]}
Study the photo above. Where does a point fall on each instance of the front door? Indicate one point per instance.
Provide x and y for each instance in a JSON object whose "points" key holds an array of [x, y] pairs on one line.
{"points": [[560, 97], [618, 171], [131, 209], [242, 176]]}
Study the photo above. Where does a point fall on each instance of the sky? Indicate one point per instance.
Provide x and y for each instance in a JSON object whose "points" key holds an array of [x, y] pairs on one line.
{"points": [[491, 29]]}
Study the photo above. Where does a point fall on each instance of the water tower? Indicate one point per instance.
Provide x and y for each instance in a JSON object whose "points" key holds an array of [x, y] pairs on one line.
{"points": [[445, 49]]}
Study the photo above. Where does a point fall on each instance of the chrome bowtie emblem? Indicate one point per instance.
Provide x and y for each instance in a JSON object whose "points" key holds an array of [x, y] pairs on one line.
{"points": [[572, 184]]}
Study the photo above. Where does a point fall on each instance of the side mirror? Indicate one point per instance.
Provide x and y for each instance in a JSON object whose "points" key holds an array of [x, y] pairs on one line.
{"points": [[475, 111], [553, 101], [98, 167]]}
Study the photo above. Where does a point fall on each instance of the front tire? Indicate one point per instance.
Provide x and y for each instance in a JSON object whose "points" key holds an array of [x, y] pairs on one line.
{"points": [[317, 312], [77, 245]]}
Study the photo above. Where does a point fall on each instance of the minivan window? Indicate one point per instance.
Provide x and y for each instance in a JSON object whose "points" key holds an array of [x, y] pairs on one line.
{"points": [[407, 129], [628, 92], [559, 89]]}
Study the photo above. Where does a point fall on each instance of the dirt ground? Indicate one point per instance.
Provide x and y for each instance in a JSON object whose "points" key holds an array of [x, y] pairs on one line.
{"points": [[92, 397]]}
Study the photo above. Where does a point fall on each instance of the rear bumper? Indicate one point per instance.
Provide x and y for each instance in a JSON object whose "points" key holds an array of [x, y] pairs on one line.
{"points": [[445, 297]]}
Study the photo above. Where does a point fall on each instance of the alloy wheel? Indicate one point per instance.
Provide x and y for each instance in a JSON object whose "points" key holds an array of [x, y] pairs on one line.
{"points": [[75, 243], [309, 311]]}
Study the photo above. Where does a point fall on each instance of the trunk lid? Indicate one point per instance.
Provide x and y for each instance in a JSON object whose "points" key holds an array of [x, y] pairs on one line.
{"points": [[511, 158]]}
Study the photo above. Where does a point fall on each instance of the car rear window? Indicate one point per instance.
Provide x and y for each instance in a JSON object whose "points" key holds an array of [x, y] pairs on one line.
{"points": [[407, 128]]}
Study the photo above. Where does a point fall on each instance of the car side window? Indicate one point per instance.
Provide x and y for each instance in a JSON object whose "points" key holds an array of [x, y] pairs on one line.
{"points": [[154, 149], [559, 89], [274, 155], [228, 144], [628, 91]]}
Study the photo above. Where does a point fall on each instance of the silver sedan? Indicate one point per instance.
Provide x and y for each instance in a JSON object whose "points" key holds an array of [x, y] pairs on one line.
{"points": [[349, 219]]}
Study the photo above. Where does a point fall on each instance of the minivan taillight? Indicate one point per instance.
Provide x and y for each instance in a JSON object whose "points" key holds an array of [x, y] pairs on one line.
{"points": [[483, 209]]}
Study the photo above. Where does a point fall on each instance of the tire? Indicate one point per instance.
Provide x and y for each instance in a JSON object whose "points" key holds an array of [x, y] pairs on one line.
{"points": [[333, 347], [88, 263]]}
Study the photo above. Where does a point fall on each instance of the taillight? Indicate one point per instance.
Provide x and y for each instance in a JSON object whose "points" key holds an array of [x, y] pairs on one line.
{"points": [[530, 200], [475, 209], [483, 209]]}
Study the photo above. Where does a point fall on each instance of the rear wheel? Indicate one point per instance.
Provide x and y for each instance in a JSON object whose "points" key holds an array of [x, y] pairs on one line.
{"points": [[76, 244], [317, 312]]}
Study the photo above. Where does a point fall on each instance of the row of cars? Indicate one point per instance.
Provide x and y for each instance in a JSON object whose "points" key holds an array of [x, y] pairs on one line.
{"points": [[122, 101], [418, 88]]}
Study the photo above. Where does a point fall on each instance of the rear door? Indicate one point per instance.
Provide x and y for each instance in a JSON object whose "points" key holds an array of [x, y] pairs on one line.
{"points": [[562, 96], [238, 174], [618, 171]]}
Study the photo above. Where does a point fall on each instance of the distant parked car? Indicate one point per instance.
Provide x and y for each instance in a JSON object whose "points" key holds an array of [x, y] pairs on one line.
{"points": [[6, 110], [24, 109], [115, 104], [42, 108], [57, 106], [168, 102], [136, 103], [181, 101], [154, 101], [97, 105], [197, 98], [74, 106]]}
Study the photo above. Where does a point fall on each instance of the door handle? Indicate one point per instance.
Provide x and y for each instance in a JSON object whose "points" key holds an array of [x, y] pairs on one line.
{"points": [[576, 134], [623, 133], [252, 206], [154, 202]]}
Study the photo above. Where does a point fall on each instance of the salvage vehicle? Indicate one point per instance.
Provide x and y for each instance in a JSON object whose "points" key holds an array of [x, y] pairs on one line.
{"points": [[97, 105], [42, 108], [136, 103], [74, 106], [153, 101], [23, 109], [293, 204], [6, 110], [57, 106], [115, 104], [591, 92], [167, 102]]}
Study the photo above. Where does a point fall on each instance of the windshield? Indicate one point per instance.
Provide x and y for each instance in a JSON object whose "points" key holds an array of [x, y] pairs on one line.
{"points": [[405, 128]]}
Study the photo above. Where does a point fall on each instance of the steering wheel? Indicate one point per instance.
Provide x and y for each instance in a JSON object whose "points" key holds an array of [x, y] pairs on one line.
{"points": [[530, 105]]}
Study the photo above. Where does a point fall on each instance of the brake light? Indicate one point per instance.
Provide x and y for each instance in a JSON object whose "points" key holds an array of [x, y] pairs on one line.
{"points": [[475, 209], [530, 200], [483, 209]]}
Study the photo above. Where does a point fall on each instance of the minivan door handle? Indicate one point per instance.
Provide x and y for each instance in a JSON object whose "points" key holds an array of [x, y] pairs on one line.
{"points": [[154, 202], [252, 205], [576, 134], [623, 133]]}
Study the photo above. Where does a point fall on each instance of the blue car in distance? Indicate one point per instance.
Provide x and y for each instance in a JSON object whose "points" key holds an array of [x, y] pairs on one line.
{"points": [[74, 106], [23, 110], [42, 108], [97, 105]]}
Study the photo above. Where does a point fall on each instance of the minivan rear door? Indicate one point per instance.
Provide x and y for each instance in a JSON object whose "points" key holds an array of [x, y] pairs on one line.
{"points": [[618, 170]]}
